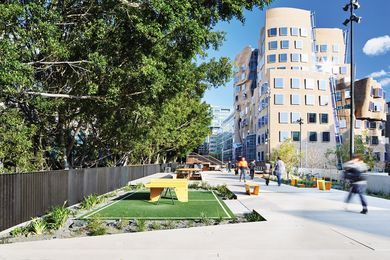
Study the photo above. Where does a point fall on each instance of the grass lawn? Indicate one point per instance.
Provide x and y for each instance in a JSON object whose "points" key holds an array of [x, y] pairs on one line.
{"points": [[136, 205]]}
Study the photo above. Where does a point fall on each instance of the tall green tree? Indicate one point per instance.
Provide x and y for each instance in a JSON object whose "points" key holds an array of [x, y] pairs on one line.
{"points": [[289, 154], [92, 76]]}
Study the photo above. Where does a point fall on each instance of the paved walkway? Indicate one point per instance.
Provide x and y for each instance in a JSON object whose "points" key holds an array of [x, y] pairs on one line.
{"points": [[301, 224]]}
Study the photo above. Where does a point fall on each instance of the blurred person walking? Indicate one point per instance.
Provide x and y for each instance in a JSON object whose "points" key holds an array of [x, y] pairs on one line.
{"points": [[353, 172], [252, 166], [243, 166], [280, 168]]}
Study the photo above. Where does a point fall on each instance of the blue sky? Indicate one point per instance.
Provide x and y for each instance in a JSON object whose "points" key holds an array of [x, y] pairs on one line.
{"points": [[371, 38]]}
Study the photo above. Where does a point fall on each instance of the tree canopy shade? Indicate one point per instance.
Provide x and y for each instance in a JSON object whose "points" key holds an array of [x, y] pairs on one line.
{"points": [[113, 81]]}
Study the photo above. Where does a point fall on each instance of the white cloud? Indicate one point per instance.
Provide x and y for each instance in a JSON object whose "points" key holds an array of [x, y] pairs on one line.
{"points": [[378, 74], [384, 82], [377, 46]]}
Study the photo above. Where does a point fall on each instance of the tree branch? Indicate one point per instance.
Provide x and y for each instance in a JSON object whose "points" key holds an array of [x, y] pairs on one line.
{"points": [[56, 62], [130, 4], [53, 95]]}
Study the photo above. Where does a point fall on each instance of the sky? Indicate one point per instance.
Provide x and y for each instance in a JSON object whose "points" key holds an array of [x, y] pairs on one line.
{"points": [[371, 38]]}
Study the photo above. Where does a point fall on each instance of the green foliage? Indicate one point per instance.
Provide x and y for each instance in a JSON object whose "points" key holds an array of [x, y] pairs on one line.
{"points": [[194, 185], [38, 226], [140, 225], [90, 201], [170, 224], [96, 227], [288, 153], [134, 76], [253, 217], [156, 225], [57, 217], [204, 219], [224, 192], [121, 224], [19, 231], [205, 186]]}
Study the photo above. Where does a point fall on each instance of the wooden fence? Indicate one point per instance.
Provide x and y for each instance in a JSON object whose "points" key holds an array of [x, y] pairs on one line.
{"points": [[27, 195]]}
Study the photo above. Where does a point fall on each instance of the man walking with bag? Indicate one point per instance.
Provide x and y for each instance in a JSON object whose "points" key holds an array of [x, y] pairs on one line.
{"points": [[279, 170]]}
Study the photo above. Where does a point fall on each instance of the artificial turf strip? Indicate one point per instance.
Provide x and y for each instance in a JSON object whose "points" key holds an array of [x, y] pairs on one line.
{"points": [[137, 206]]}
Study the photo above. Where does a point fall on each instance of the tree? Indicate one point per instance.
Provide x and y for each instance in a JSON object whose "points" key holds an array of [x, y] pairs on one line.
{"points": [[93, 75], [289, 154]]}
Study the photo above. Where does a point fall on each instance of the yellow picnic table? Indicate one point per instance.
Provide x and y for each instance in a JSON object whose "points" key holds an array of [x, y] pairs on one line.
{"points": [[157, 186], [186, 172]]}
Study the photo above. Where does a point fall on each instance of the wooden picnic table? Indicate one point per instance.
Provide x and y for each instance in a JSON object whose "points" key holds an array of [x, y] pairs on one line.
{"points": [[186, 172]]}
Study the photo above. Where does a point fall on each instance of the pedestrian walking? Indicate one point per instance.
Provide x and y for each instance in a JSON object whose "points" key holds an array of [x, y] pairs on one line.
{"points": [[243, 166], [353, 172], [252, 166], [229, 166], [279, 170], [267, 172]]}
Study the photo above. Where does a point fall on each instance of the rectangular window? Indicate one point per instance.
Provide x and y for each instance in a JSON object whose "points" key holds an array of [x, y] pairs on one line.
{"points": [[303, 32], [283, 135], [304, 58], [295, 116], [325, 136], [343, 123], [272, 32], [323, 118], [313, 136], [338, 96], [295, 83], [309, 83], [377, 156], [324, 100], [298, 44], [283, 57], [279, 99], [296, 136], [283, 117], [284, 44], [279, 82], [374, 140], [281, 68], [371, 125], [295, 57], [294, 31], [273, 45], [347, 94], [343, 70], [295, 99], [322, 84], [311, 118], [335, 59], [271, 58], [283, 31], [296, 68], [310, 100], [358, 124], [335, 48], [323, 48]]}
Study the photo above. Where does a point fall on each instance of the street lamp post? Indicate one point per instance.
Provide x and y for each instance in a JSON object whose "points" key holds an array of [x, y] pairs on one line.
{"points": [[353, 5], [300, 122]]}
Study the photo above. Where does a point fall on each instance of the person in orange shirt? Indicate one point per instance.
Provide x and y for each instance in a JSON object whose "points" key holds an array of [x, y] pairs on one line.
{"points": [[243, 166]]}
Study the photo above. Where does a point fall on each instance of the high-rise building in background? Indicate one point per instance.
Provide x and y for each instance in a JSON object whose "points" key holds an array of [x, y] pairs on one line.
{"points": [[296, 75]]}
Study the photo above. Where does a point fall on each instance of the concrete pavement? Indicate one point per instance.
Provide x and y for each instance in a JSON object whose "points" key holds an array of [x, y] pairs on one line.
{"points": [[301, 224]]}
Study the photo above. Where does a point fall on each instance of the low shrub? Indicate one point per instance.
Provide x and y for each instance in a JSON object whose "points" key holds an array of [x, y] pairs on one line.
{"points": [[156, 226], [170, 224], [96, 227], [253, 217], [121, 224], [19, 231], [57, 217], [38, 226], [140, 225], [204, 219], [194, 185], [224, 192], [90, 201]]}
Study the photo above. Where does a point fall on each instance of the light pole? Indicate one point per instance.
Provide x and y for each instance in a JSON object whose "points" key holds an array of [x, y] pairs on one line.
{"points": [[300, 122], [353, 5]]}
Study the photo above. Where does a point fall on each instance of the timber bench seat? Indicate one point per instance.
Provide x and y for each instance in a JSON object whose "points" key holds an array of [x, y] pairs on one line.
{"points": [[256, 188], [157, 186]]}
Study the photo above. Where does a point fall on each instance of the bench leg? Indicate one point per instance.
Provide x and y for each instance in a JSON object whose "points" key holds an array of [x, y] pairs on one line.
{"points": [[256, 190], [155, 194], [182, 194]]}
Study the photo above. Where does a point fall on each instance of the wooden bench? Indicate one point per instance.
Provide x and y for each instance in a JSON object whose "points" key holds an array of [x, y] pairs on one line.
{"points": [[256, 188], [158, 185]]}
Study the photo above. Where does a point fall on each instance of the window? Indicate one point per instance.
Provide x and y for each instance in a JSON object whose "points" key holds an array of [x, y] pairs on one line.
{"points": [[295, 99], [325, 136], [283, 57], [377, 156], [313, 136], [374, 140], [272, 32], [343, 123], [294, 31], [303, 32], [296, 136], [311, 118], [377, 107], [281, 68], [335, 59], [304, 58], [347, 94], [283, 135], [323, 48], [295, 57], [279, 82], [272, 45], [323, 118], [322, 84], [271, 58], [358, 123], [310, 100], [309, 83], [296, 68], [283, 117], [295, 83], [283, 31], [343, 70], [298, 44], [295, 116], [284, 44], [338, 96], [371, 125], [279, 99], [324, 100], [335, 48]]}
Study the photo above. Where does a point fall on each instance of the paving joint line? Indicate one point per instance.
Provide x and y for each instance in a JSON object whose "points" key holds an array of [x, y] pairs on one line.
{"points": [[357, 241]]}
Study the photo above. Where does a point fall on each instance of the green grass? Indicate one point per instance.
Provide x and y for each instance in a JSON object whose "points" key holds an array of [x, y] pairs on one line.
{"points": [[136, 205]]}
